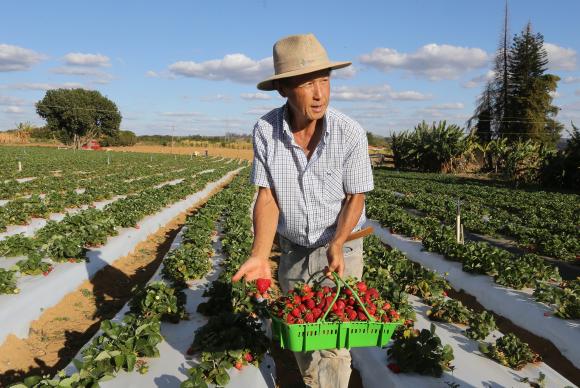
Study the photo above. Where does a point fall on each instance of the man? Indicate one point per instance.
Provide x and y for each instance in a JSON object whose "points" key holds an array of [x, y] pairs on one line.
{"points": [[312, 167]]}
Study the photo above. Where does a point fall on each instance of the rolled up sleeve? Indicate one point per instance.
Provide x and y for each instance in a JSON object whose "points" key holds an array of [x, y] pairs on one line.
{"points": [[260, 175], [358, 173]]}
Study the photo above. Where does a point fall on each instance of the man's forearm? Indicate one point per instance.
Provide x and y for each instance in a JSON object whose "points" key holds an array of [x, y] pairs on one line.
{"points": [[349, 216], [266, 213]]}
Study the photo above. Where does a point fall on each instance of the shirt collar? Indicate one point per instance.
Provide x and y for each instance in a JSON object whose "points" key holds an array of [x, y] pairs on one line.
{"points": [[286, 125]]}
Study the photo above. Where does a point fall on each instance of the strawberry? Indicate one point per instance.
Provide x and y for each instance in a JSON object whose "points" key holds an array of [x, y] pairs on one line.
{"points": [[316, 312], [300, 321], [362, 316], [385, 318], [290, 319], [394, 368], [326, 290], [387, 306], [444, 293], [319, 295], [45, 273], [297, 300], [238, 365], [362, 287], [296, 312], [306, 288], [190, 351], [348, 292], [351, 314], [309, 317], [351, 302], [340, 304], [248, 357], [263, 285], [302, 308], [310, 304]]}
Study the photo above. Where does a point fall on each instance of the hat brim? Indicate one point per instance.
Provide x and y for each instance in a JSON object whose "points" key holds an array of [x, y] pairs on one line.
{"points": [[268, 83]]}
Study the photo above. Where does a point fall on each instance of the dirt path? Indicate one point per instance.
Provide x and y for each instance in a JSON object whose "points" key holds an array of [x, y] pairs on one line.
{"points": [[61, 331]]}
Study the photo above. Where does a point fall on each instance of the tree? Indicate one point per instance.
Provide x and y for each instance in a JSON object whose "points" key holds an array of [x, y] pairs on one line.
{"points": [[78, 115], [531, 114]]}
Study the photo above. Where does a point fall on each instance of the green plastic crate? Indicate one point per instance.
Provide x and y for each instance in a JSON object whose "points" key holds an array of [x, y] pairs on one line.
{"points": [[333, 335]]}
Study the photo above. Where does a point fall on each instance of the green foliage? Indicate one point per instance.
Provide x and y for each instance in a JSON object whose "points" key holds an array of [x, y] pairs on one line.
{"points": [[429, 148], [560, 169], [8, 282], [565, 297], [480, 325], [510, 351], [422, 353], [121, 139], [79, 115], [450, 311], [158, 301]]}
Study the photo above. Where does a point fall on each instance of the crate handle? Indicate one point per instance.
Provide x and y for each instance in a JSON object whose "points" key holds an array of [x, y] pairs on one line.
{"points": [[338, 282]]}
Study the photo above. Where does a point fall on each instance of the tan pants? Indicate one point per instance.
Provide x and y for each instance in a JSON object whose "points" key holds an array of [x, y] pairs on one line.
{"points": [[324, 368]]}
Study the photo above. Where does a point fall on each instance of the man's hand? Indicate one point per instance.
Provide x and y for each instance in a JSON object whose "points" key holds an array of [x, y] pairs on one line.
{"points": [[335, 258], [254, 268]]}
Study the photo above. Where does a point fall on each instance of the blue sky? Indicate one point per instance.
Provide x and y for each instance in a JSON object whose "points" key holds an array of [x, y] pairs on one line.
{"points": [[193, 65]]}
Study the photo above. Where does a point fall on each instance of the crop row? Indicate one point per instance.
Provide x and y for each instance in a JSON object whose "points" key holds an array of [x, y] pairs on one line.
{"points": [[69, 239], [507, 269], [391, 272], [126, 345], [20, 211], [543, 222]]}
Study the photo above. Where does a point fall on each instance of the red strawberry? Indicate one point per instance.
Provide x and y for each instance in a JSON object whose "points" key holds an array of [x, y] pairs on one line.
{"points": [[340, 304], [309, 317], [297, 300], [348, 292], [385, 318], [394, 368], [296, 312], [263, 285], [386, 306], [326, 290], [351, 314], [316, 312], [248, 357], [444, 293], [45, 273], [289, 319], [306, 288], [351, 302], [309, 304], [302, 308], [362, 316], [319, 295], [300, 321], [362, 287], [238, 365]]}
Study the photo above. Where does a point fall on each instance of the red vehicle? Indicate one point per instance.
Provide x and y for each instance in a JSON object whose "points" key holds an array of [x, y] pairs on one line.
{"points": [[92, 145]]}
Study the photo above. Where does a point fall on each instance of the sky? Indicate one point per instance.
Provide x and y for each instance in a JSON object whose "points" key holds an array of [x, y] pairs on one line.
{"points": [[191, 67]]}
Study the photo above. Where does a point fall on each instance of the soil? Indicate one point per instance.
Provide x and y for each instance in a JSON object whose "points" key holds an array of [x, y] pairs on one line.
{"points": [[62, 330], [246, 154]]}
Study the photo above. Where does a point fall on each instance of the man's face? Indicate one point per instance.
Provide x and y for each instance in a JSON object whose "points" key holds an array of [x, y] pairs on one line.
{"points": [[308, 95]]}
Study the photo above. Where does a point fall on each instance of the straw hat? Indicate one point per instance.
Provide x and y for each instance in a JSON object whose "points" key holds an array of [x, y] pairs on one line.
{"points": [[297, 55]]}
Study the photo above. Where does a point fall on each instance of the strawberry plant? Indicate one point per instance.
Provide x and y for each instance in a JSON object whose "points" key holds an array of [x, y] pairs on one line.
{"points": [[158, 301], [34, 266], [480, 325], [450, 310], [510, 351], [421, 352], [17, 245], [8, 282], [187, 262], [565, 297]]}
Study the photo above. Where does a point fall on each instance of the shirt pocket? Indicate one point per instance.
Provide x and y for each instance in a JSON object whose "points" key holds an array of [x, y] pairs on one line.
{"points": [[333, 186]]}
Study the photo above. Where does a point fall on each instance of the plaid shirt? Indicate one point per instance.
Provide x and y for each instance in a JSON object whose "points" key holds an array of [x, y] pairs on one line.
{"points": [[310, 193]]}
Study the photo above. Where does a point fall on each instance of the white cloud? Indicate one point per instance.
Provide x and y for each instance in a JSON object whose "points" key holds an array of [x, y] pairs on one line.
{"points": [[7, 100], [571, 80], [448, 106], [560, 58], [14, 110], [100, 76], [152, 74], [91, 60], [14, 58], [479, 80], [432, 61], [181, 114], [554, 94], [234, 67], [216, 97], [374, 93], [345, 73], [255, 96], [260, 110], [44, 86]]}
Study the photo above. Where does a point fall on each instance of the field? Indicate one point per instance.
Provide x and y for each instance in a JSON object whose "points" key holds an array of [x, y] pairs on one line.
{"points": [[243, 153], [122, 262]]}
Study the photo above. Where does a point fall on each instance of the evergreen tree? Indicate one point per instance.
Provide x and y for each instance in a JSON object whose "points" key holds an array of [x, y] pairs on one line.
{"points": [[530, 113]]}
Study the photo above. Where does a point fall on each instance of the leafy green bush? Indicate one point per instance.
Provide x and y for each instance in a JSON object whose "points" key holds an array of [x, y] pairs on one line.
{"points": [[510, 351], [480, 325], [158, 301]]}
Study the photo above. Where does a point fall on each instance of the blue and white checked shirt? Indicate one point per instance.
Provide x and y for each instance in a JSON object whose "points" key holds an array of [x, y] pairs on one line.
{"points": [[310, 192]]}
